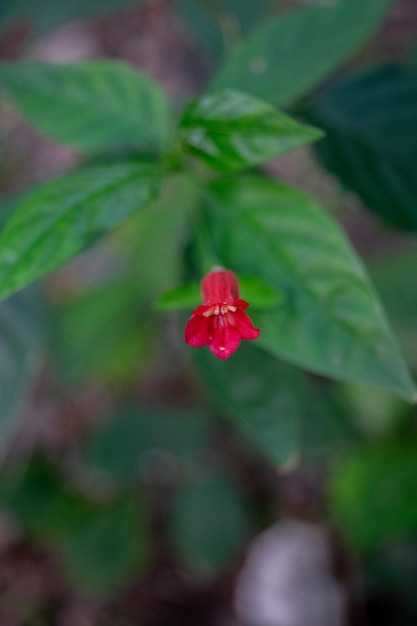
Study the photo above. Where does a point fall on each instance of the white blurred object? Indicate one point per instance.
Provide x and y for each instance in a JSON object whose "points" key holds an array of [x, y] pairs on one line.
{"points": [[287, 579]]}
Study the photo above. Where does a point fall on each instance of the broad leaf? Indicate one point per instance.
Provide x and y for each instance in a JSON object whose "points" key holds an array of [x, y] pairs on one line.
{"points": [[273, 405], [331, 321], [92, 105], [58, 219], [232, 131], [21, 331], [371, 142], [373, 493], [289, 55], [209, 523]]}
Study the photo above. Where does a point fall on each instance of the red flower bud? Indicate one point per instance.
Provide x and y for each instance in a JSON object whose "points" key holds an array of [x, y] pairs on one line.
{"points": [[220, 323]]}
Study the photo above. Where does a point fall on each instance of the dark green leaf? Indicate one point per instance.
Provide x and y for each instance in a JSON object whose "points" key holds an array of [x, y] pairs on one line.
{"points": [[232, 131], [58, 219], [99, 545], [91, 105], [371, 143], [21, 331], [273, 406], [331, 321], [373, 493], [130, 440], [209, 523], [288, 56], [215, 25], [394, 277]]}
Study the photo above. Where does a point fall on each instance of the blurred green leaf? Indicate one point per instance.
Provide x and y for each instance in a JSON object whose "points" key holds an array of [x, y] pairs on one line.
{"points": [[183, 297], [371, 143], [215, 24], [209, 523], [21, 337], [101, 334], [373, 493], [331, 321], [286, 57], [92, 105], [156, 238], [393, 276], [134, 437], [231, 131], [48, 14], [274, 406], [59, 218], [100, 545]]}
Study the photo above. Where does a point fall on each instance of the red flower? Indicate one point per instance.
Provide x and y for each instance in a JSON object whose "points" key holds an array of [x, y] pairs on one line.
{"points": [[220, 323]]}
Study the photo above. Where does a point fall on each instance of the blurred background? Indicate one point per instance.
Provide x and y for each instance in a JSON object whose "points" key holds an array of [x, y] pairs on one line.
{"points": [[138, 487]]}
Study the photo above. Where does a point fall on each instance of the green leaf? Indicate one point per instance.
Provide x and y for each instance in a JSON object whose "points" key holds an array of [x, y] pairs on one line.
{"points": [[21, 335], [183, 297], [214, 25], [133, 438], [100, 545], [60, 218], [252, 289], [373, 493], [83, 347], [232, 131], [273, 405], [331, 321], [209, 523], [371, 142], [286, 57], [92, 105], [393, 276]]}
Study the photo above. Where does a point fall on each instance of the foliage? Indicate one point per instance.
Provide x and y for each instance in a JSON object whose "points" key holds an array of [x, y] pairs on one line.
{"points": [[167, 197]]}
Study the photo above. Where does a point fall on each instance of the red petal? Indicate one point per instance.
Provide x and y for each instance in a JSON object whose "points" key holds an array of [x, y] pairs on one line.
{"points": [[226, 340], [245, 325], [242, 304], [219, 286], [198, 331]]}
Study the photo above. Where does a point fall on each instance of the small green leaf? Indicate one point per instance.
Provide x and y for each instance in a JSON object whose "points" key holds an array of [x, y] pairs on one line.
{"points": [[273, 405], [252, 289], [208, 524], [60, 218], [184, 297], [287, 56], [232, 131], [331, 321], [92, 105], [373, 493], [373, 149]]}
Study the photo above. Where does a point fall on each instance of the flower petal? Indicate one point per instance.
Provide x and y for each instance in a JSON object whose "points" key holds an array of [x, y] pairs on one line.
{"points": [[245, 325], [198, 331], [225, 341]]}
